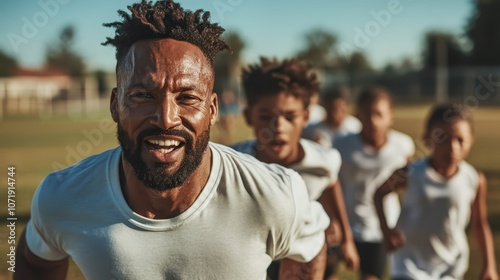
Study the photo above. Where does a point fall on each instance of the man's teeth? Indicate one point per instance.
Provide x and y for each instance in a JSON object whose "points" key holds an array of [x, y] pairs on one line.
{"points": [[165, 143], [166, 151]]}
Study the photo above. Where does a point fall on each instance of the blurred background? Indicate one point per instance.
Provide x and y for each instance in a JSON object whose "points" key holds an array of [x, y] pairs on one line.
{"points": [[56, 78]]}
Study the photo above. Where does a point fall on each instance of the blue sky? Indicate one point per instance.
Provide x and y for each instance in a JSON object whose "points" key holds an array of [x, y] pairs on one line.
{"points": [[272, 28]]}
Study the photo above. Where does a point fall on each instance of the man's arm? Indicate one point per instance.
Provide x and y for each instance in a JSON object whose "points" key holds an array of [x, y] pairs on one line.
{"points": [[315, 269], [332, 200], [392, 237], [30, 266], [301, 241], [482, 231]]}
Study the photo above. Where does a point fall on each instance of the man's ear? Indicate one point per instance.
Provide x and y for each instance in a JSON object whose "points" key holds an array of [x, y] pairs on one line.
{"points": [[214, 108], [248, 116], [113, 104]]}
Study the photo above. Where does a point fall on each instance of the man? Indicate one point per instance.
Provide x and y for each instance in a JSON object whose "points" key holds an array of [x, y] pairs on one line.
{"points": [[167, 204]]}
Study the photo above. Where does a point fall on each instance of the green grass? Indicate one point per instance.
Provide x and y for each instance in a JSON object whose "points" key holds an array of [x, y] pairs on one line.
{"points": [[36, 147]]}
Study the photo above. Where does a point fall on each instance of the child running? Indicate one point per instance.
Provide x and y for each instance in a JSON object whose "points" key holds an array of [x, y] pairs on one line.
{"points": [[337, 123], [443, 192], [368, 159], [278, 95]]}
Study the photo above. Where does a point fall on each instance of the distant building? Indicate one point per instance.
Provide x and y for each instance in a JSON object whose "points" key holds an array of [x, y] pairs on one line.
{"points": [[45, 91]]}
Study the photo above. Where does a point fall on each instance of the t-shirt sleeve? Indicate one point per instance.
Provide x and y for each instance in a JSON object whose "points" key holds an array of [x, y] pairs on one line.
{"points": [[38, 240], [409, 146], [317, 135], [306, 236], [336, 163]]}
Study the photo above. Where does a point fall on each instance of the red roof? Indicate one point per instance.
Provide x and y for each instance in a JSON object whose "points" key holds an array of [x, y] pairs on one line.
{"points": [[40, 72]]}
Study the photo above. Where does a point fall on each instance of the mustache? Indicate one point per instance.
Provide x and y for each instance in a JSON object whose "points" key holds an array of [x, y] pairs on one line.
{"points": [[155, 131]]}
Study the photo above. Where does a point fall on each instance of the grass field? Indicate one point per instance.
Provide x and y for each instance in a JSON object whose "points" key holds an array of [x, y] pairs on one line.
{"points": [[37, 147]]}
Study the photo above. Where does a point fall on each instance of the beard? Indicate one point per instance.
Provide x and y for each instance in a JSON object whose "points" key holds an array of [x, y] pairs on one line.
{"points": [[157, 177]]}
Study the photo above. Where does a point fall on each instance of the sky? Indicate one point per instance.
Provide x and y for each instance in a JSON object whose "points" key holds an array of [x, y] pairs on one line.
{"points": [[385, 30]]}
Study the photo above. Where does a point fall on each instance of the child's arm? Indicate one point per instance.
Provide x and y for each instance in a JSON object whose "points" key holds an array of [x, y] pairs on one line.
{"points": [[482, 231], [392, 237], [332, 200]]}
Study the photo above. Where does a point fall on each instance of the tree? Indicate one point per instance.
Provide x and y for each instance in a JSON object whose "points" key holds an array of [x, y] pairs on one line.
{"points": [[227, 64], [358, 62], [320, 49], [484, 31], [7, 64], [442, 48], [63, 56]]}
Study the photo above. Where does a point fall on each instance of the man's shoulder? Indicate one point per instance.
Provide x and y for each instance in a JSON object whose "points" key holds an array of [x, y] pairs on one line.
{"points": [[342, 142], [469, 171], [403, 140], [76, 187], [81, 171], [244, 146], [246, 164], [418, 168], [352, 124], [400, 136], [318, 153], [242, 153]]}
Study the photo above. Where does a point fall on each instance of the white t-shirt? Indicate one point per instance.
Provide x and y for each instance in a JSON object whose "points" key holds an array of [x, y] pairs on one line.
{"points": [[325, 135], [317, 113], [363, 171], [319, 168], [433, 219], [247, 214]]}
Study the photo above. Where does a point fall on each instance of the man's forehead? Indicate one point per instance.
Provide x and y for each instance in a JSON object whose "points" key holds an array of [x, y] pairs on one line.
{"points": [[165, 50], [147, 57]]}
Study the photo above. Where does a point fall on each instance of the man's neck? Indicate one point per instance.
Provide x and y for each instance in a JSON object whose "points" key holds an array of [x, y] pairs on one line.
{"points": [[375, 142], [167, 204], [333, 124], [296, 155], [444, 168]]}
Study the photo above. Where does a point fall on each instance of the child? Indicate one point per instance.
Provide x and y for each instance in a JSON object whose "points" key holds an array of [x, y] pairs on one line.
{"points": [[443, 193], [368, 159], [337, 123], [278, 96]]}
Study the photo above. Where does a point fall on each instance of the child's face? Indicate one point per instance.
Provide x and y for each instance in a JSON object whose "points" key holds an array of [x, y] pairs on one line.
{"points": [[376, 118], [277, 121], [337, 111], [450, 142]]}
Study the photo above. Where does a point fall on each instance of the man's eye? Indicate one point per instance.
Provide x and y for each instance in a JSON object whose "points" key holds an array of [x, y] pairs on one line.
{"points": [[187, 99], [142, 95], [290, 117]]}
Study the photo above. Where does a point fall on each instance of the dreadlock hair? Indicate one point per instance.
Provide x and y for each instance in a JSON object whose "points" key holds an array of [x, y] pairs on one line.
{"points": [[372, 94], [271, 77], [165, 19], [447, 113]]}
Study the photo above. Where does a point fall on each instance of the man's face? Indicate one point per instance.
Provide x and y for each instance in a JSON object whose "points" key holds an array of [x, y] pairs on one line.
{"points": [[376, 118], [277, 121], [337, 111], [164, 107], [450, 142]]}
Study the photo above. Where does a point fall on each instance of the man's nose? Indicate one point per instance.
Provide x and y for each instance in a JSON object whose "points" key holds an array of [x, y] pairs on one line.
{"points": [[455, 146], [167, 114], [280, 124]]}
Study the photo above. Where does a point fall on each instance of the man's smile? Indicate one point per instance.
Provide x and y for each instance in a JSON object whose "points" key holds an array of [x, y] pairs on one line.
{"points": [[163, 149]]}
